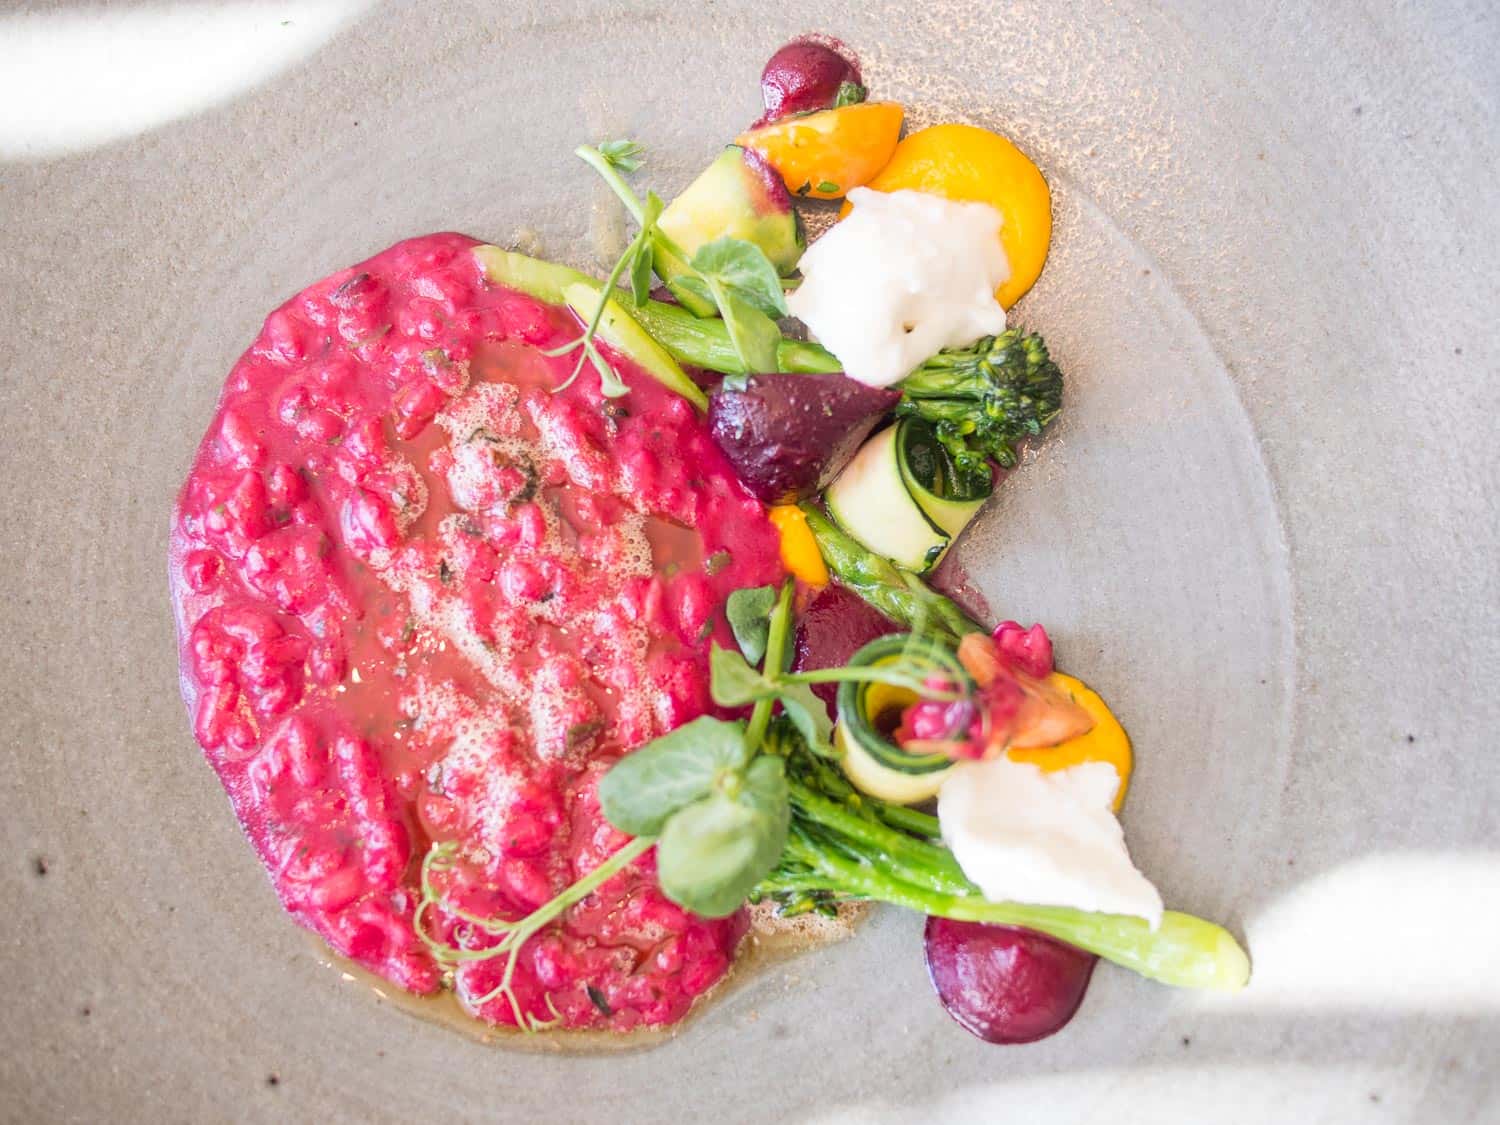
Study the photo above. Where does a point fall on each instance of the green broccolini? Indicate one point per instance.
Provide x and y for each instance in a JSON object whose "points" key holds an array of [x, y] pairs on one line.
{"points": [[897, 593], [984, 398], [704, 342], [846, 846]]}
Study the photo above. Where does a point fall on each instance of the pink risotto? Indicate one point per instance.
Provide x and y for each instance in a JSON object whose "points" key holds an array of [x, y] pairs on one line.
{"points": [[425, 596]]}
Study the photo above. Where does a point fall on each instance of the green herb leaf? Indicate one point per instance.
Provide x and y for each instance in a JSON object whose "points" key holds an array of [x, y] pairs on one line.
{"points": [[713, 853], [850, 93], [828, 187], [754, 334], [808, 715], [644, 788], [625, 155], [749, 614], [733, 683], [744, 268], [640, 273]]}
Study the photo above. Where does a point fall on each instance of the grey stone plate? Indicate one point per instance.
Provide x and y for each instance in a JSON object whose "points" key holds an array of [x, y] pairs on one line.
{"points": [[1265, 529]]}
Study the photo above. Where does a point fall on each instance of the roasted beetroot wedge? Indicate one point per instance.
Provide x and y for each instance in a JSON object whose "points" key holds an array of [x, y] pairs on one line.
{"points": [[835, 625], [787, 436], [808, 74], [1005, 984]]}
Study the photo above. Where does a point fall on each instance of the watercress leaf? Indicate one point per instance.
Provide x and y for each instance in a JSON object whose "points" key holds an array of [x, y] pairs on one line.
{"points": [[711, 855], [647, 786], [749, 613], [743, 267], [754, 334], [732, 682], [764, 788], [809, 716], [625, 155]]}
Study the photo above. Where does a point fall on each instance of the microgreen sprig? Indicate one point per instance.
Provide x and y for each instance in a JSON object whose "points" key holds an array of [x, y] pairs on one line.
{"points": [[636, 261], [442, 859], [729, 275]]}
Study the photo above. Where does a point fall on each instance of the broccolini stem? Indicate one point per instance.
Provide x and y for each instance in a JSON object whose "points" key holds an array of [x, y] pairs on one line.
{"points": [[906, 856], [909, 820], [1183, 951], [901, 596], [704, 342]]}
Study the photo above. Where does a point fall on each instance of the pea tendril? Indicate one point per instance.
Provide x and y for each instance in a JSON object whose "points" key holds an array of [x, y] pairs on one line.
{"points": [[443, 859]]}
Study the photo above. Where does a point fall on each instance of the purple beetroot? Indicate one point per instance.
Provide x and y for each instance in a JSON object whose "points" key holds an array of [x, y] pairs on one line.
{"points": [[807, 75], [835, 625], [1005, 984], [788, 436]]}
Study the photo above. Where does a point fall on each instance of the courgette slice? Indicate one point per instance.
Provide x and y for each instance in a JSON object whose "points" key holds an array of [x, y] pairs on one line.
{"points": [[870, 501], [931, 479], [869, 712], [543, 280], [869, 776]]}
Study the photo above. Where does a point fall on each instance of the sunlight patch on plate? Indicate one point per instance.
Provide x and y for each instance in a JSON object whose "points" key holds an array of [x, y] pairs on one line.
{"points": [[1263, 1092], [1403, 931], [72, 80]]}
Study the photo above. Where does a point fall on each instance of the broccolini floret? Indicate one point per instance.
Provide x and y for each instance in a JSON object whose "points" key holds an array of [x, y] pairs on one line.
{"points": [[981, 400]]}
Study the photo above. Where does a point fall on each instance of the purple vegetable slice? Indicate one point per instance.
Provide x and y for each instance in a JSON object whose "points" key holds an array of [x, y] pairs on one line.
{"points": [[788, 436], [808, 74], [1005, 984], [836, 624]]}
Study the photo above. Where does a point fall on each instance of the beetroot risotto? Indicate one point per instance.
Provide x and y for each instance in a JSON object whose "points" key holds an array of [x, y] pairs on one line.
{"points": [[422, 597], [539, 626]]}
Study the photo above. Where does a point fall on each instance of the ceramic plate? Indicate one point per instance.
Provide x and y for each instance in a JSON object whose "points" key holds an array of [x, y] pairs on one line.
{"points": [[1265, 528]]}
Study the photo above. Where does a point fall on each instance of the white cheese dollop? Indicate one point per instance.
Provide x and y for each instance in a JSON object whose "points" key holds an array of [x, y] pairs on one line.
{"points": [[904, 275], [1044, 838]]}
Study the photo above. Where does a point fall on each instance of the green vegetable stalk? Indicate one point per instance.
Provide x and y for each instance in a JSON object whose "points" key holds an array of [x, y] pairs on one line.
{"points": [[842, 847], [704, 342], [983, 399], [897, 593]]}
